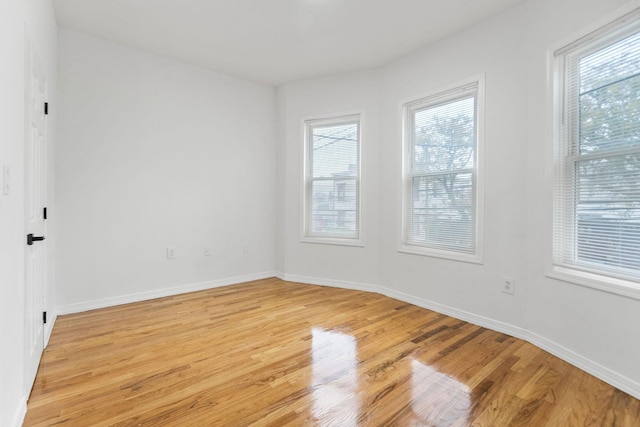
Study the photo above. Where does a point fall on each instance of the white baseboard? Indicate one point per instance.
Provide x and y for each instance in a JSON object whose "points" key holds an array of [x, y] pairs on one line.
{"points": [[605, 374], [166, 292], [20, 413], [357, 286], [485, 322], [597, 370]]}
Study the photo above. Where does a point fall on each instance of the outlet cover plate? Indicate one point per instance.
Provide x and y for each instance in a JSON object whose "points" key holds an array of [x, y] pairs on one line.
{"points": [[509, 285]]}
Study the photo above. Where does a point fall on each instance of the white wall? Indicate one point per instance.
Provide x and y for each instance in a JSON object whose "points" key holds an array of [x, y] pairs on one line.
{"points": [[600, 326], [155, 153], [331, 95], [594, 330], [37, 16]]}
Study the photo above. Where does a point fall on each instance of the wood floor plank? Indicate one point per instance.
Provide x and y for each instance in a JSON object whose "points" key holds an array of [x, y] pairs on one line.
{"points": [[276, 353]]}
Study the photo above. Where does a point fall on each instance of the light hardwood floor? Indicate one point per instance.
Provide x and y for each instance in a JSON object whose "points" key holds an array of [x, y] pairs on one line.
{"points": [[275, 353]]}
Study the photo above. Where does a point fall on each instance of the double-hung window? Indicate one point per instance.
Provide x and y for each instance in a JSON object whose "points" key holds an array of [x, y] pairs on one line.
{"points": [[332, 179], [441, 209], [597, 156]]}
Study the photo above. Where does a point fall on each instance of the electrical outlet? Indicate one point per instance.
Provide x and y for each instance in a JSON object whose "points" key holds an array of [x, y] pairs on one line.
{"points": [[171, 253], [207, 252], [509, 285], [6, 180], [245, 248]]}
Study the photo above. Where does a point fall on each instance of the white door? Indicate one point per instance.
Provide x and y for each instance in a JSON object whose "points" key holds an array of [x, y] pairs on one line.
{"points": [[35, 254]]}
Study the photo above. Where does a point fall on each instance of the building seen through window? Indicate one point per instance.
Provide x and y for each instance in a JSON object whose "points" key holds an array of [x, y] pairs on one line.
{"points": [[332, 190]]}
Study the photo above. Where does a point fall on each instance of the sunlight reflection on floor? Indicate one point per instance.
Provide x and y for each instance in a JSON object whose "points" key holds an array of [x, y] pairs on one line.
{"points": [[437, 399], [335, 378]]}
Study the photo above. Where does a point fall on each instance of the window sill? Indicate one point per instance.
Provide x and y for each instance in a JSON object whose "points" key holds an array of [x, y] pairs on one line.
{"points": [[600, 282], [435, 253], [333, 241]]}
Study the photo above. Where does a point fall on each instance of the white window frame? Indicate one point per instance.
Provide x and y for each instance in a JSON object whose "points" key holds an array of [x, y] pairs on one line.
{"points": [[308, 123], [601, 34], [449, 93]]}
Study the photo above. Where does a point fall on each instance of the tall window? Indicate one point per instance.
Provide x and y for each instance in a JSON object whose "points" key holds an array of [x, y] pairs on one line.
{"points": [[332, 185], [597, 178], [441, 209]]}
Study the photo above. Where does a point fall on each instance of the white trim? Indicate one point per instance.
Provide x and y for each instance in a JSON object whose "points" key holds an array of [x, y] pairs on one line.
{"points": [[594, 26], [356, 286], [432, 93], [435, 253], [445, 94], [597, 370], [481, 149], [160, 293], [333, 241], [475, 319], [600, 282], [20, 413], [329, 118]]}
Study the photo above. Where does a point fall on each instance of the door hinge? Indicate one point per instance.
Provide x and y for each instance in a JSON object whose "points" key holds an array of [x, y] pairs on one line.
{"points": [[44, 213], [44, 317], [46, 108]]}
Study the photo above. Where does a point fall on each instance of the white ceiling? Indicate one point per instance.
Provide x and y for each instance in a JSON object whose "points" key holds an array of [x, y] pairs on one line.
{"points": [[277, 41]]}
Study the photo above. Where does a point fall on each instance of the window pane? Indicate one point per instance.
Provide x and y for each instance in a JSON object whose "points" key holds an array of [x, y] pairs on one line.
{"points": [[597, 187], [333, 210], [617, 62], [444, 137], [608, 211], [335, 150], [440, 207], [610, 115], [442, 211], [332, 191]]}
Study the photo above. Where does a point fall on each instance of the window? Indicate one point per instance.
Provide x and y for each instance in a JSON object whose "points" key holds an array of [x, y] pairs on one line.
{"points": [[597, 155], [332, 184], [441, 194]]}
